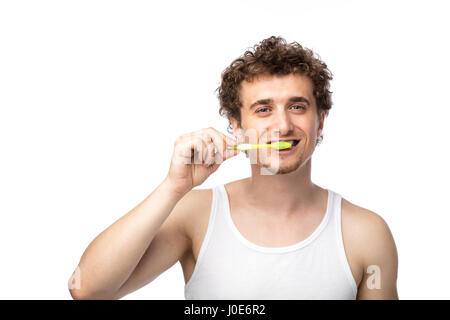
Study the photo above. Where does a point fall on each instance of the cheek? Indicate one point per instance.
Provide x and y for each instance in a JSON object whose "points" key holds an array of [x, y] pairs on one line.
{"points": [[246, 121], [309, 127], [252, 127]]}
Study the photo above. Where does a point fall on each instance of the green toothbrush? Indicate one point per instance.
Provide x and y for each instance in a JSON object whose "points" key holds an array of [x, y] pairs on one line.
{"points": [[280, 145]]}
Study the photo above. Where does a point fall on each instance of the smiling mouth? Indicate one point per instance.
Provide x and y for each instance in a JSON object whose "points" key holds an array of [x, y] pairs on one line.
{"points": [[294, 142]]}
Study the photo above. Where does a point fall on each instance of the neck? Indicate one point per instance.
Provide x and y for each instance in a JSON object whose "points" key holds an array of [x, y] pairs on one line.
{"points": [[285, 193]]}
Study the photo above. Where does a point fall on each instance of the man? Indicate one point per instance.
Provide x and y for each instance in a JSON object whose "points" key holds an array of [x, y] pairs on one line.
{"points": [[275, 235]]}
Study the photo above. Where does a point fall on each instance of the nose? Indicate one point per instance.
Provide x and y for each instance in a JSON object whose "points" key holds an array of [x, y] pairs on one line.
{"points": [[282, 123]]}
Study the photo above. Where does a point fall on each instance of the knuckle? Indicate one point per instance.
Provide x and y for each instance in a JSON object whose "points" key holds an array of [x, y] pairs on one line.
{"points": [[209, 131], [178, 140], [207, 139]]}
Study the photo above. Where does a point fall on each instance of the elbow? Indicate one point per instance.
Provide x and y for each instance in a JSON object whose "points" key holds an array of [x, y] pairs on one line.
{"points": [[77, 295], [74, 286]]}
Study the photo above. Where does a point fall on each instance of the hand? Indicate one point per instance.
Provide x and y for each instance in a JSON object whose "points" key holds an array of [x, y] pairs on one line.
{"points": [[196, 156]]}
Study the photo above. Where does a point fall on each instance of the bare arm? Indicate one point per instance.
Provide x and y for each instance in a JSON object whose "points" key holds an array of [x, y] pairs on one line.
{"points": [[171, 243], [113, 264], [113, 255], [380, 261]]}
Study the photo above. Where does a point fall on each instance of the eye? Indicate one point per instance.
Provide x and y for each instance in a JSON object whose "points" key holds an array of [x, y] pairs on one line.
{"points": [[264, 108], [300, 107]]}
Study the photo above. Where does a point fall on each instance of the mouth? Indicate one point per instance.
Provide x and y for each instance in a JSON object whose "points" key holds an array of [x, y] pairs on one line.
{"points": [[294, 143]]}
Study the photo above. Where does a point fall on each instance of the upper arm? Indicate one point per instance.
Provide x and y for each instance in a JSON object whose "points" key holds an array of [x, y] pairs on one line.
{"points": [[168, 246], [379, 259]]}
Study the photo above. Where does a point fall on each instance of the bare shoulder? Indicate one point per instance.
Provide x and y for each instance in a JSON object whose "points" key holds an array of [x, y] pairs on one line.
{"points": [[363, 223], [363, 217], [372, 245]]}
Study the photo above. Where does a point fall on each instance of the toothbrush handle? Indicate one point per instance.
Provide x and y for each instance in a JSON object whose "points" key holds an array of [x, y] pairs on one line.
{"points": [[255, 146], [232, 148]]}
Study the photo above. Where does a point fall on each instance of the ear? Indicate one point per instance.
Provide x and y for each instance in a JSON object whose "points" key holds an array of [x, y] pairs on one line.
{"points": [[321, 122], [236, 127], [238, 133]]}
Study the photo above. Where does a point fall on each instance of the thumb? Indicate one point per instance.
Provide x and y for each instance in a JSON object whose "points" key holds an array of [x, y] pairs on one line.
{"points": [[213, 167], [230, 154]]}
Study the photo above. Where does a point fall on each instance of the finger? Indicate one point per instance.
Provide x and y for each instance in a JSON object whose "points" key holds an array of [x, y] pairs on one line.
{"points": [[208, 147], [231, 153], [221, 141], [184, 146], [198, 147], [212, 142], [192, 149], [210, 159], [226, 152], [204, 151]]}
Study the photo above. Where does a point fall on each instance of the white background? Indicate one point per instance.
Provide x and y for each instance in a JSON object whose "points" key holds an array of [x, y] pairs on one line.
{"points": [[94, 93]]}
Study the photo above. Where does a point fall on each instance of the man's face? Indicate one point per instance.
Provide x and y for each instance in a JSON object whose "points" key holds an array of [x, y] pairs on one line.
{"points": [[285, 104]]}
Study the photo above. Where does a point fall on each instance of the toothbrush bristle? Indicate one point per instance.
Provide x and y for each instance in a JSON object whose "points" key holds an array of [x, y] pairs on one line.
{"points": [[282, 145]]}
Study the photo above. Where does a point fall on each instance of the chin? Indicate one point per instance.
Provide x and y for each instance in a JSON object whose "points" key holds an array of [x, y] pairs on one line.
{"points": [[283, 168]]}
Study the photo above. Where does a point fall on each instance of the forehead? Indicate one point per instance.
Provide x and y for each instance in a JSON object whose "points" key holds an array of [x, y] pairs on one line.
{"points": [[279, 88]]}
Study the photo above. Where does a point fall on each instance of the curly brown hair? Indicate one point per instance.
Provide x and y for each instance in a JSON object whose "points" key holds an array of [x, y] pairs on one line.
{"points": [[273, 56]]}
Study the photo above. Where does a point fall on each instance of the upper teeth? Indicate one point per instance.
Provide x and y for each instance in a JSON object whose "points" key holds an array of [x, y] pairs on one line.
{"points": [[290, 141]]}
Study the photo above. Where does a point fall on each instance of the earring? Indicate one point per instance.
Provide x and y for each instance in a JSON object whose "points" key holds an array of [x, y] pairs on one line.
{"points": [[319, 139]]}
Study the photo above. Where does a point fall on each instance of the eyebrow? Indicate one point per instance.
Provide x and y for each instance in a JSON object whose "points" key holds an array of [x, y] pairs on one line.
{"points": [[270, 100]]}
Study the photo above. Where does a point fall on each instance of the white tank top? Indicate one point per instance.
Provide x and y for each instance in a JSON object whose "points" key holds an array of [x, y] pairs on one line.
{"points": [[231, 267]]}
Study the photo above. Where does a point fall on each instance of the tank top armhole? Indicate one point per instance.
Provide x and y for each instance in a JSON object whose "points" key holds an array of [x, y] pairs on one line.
{"points": [[342, 254], [205, 242]]}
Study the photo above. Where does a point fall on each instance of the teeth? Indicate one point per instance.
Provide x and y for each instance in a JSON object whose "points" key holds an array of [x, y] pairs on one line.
{"points": [[290, 141]]}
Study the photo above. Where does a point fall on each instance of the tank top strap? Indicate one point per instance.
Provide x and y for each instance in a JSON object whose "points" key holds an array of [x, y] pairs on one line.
{"points": [[336, 219]]}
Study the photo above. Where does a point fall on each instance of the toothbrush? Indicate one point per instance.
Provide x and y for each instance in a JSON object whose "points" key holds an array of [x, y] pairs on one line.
{"points": [[280, 145]]}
